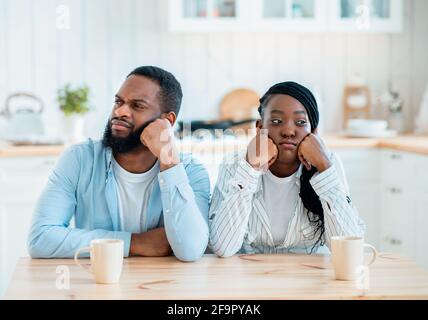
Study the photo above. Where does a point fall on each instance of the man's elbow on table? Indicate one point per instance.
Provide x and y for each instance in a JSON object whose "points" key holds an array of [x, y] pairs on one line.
{"points": [[38, 250], [38, 246], [191, 252]]}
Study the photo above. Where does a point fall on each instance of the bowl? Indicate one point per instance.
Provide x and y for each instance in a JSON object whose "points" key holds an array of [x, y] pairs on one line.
{"points": [[369, 125]]}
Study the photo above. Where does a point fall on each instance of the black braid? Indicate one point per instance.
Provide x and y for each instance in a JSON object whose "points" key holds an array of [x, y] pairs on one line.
{"points": [[313, 204]]}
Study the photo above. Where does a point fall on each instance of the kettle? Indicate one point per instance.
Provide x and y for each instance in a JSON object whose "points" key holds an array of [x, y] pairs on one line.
{"points": [[23, 116]]}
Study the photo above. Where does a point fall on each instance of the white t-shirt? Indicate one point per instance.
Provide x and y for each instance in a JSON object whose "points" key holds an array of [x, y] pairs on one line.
{"points": [[280, 196], [133, 192]]}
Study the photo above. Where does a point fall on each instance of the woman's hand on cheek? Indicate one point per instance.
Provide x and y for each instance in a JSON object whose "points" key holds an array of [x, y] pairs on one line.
{"points": [[312, 152]]}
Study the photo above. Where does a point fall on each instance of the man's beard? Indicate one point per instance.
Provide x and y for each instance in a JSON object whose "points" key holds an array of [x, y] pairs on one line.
{"points": [[123, 145]]}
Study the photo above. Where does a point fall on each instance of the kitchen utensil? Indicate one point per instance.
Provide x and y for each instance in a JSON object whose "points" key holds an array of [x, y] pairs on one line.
{"points": [[239, 104], [23, 112], [364, 124], [356, 102]]}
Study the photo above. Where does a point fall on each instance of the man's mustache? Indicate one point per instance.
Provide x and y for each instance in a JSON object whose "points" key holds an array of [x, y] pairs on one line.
{"points": [[132, 126], [129, 124]]}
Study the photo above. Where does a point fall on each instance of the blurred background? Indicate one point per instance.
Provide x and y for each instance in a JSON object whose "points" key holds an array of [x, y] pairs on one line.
{"points": [[61, 62]]}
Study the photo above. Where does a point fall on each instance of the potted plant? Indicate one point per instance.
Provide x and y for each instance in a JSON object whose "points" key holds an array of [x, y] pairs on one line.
{"points": [[74, 103]]}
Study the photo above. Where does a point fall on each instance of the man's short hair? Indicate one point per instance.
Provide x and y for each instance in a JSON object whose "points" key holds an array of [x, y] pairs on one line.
{"points": [[170, 93]]}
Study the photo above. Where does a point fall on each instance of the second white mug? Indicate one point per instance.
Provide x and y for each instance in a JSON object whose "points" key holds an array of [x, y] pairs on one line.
{"points": [[347, 255]]}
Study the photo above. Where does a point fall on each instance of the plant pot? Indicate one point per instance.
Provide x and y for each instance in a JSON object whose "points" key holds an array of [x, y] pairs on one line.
{"points": [[396, 122], [74, 129]]}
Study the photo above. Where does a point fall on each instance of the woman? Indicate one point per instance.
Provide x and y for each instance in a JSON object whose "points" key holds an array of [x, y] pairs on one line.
{"points": [[287, 192]]}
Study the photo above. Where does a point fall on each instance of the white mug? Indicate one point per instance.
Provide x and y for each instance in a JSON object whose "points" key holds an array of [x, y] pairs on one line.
{"points": [[348, 256], [106, 260]]}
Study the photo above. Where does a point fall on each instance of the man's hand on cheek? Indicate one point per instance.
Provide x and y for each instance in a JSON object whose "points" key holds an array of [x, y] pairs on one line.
{"points": [[158, 137]]}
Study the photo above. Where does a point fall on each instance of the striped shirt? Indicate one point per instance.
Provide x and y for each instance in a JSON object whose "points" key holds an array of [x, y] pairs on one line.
{"points": [[239, 222]]}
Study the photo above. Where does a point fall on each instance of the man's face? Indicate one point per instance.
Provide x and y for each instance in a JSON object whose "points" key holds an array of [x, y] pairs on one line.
{"points": [[288, 124], [135, 106]]}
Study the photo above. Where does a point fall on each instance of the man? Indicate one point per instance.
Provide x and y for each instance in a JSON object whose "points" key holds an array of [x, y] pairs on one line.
{"points": [[133, 185]]}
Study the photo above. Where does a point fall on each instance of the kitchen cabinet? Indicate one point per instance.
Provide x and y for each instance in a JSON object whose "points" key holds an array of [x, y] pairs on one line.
{"points": [[404, 205], [286, 15], [365, 16], [207, 15], [418, 178], [389, 189], [398, 221], [363, 175], [21, 181], [421, 215]]}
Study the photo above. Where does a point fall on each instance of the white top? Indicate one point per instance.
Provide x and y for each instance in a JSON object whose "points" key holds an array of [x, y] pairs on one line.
{"points": [[133, 192], [280, 198]]}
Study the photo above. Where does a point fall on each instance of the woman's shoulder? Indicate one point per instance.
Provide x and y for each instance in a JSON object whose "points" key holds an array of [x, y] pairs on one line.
{"points": [[232, 161], [233, 158]]}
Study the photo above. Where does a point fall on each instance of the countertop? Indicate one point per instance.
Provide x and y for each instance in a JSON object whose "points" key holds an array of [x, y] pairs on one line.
{"points": [[407, 143], [239, 277]]}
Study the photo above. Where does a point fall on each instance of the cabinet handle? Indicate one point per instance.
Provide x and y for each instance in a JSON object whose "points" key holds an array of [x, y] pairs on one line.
{"points": [[393, 241], [395, 190], [49, 163], [396, 156]]}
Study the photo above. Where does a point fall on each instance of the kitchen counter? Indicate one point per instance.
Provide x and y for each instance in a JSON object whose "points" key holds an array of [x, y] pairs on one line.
{"points": [[238, 277], [408, 143]]}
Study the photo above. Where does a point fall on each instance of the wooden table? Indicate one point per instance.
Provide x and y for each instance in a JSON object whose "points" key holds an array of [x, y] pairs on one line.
{"points": [[239, 277]]}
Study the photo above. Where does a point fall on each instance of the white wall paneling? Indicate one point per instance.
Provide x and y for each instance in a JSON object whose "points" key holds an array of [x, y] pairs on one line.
{"points": [[97, 57], [107, 39], [4, 58], [419, 45]]}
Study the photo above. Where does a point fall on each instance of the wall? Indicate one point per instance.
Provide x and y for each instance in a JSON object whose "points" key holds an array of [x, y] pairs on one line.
{"points": [[108, 38]]}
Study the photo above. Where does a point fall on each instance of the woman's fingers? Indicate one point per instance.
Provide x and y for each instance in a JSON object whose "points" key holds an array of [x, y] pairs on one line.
{"points": [[302, 158], [304, 161]]}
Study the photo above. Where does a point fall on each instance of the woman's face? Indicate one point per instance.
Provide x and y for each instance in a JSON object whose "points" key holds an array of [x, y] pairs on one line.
{"points": [[288, 124]]}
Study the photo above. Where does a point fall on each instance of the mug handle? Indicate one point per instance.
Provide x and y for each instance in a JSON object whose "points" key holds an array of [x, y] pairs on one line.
{"points": [[76, 258], [373, 259]]}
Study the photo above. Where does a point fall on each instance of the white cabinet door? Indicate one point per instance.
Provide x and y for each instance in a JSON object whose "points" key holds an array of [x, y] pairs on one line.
{"points": [[421, 213], [397, 167], [362, 172], [208, 15], [419, 181], [16, 220], [289, 15], [361, 166], [366, 199], [398, 224], [21, 181], [365, 16], [3, 252]]}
